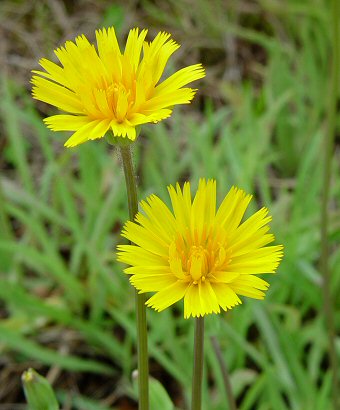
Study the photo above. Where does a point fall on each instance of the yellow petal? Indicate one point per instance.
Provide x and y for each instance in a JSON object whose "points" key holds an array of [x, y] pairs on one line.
{"points": [[92, 130], [232, 209], [138, 119], [226, 296], [66, 122], [156, 55], [168, 296], [182, 96], [192, 305], [264, 260], [164, 223], [180, 78], [54, 94], [134, 46], [137, 256], [106, 85], [54, 72], [145, 239], [212, 264], [123, 130], [107, 45], [248, 291], [152, 283], [209, 302]]}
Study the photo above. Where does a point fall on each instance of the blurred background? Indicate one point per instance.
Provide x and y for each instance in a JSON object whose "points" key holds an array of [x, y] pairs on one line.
{"points": [[258, 121]]}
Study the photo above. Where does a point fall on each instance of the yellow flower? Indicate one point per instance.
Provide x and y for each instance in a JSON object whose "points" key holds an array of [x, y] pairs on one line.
{"points": [[106, 89], [206, 257]]}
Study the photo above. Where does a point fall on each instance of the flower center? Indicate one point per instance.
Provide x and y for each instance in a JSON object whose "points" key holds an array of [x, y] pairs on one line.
{"points": [[195, 263], [120, 99]]}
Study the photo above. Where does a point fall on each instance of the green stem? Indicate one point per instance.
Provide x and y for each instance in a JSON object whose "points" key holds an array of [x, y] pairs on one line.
{"points": [[225, 374], [5, 226], [142, 343], [6, 233], [328, 153], [198, 364]]}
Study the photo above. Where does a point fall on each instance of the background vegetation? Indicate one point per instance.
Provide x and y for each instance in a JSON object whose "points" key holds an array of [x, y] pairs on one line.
{"points": [[258, 122]]}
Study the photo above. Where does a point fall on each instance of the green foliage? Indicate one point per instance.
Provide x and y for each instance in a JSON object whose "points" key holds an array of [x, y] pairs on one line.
{"points": [[39, 393], [114, 16], [61, 212], [159, 398]]}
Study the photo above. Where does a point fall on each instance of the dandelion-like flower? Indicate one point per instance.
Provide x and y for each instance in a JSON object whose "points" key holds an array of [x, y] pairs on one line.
{"points": [[204, 256], [105, 89]]}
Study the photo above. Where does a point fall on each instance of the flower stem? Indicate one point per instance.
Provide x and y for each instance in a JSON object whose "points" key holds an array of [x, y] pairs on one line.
{"points": [[328, 152], [198, 364], [225, 374], [142, 343]]}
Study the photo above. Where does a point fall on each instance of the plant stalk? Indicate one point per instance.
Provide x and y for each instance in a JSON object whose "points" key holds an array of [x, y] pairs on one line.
{"points": [[328, 153], [5, 226], [197, 374], [225, 374], [142, 343]]}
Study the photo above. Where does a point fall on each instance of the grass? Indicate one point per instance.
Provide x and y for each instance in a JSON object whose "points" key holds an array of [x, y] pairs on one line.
{"points": [[65, 304]]}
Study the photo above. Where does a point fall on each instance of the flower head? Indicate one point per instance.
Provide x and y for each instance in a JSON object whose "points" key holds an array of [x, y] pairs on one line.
{"points": [[105, 89], [204, 256]]}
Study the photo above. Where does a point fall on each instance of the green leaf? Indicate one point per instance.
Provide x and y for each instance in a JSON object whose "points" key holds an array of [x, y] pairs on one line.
{"points": [[39, 393], [159, 398]]}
